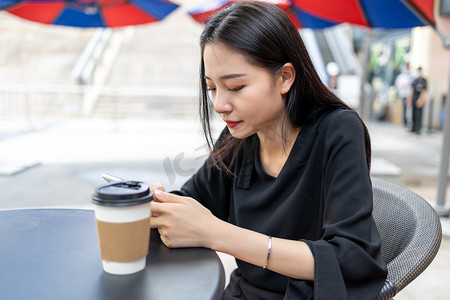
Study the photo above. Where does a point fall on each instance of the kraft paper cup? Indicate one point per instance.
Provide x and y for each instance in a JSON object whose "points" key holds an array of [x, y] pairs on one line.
{"points": [[122, 215]]}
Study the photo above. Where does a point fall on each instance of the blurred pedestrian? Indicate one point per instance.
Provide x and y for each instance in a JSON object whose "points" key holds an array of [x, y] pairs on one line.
{"points": [[416, 100], [333, 72], [403, 86]]}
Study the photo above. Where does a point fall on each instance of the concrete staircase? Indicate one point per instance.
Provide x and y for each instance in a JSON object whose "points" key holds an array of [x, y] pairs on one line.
{"points": [[36, 61], [36, 54], [151, 72], [158, 64]]}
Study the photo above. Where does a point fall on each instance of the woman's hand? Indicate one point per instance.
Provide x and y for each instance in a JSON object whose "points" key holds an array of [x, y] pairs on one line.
{"points": [[157, 186], [181, 221], [153, 188]]}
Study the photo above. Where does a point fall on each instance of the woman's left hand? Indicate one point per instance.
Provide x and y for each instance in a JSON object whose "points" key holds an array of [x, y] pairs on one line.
{"points": [[181, 221]]}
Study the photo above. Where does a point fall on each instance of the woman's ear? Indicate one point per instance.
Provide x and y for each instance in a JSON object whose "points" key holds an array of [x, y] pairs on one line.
{"points": [[287, 77]]}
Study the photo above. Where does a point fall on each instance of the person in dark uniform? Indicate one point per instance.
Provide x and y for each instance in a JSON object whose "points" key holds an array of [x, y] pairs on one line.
{"points": [[416, 99], [286, 189]]}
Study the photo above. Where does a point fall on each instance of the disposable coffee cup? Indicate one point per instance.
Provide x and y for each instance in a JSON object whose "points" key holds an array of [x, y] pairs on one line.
{"points": [[122, 216]]}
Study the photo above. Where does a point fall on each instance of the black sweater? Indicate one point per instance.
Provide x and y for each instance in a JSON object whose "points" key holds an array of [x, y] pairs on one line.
{"points": [[322, 196]]}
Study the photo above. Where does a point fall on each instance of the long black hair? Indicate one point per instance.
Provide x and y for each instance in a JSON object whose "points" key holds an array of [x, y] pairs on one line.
{"points": [[266, 36]]}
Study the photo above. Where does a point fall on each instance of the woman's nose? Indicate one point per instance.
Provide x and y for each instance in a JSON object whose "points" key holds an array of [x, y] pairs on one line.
{"points": [[221, 103]]}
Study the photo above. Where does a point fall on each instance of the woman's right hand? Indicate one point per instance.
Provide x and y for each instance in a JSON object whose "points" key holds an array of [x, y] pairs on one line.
{"points": [[156, 186]]}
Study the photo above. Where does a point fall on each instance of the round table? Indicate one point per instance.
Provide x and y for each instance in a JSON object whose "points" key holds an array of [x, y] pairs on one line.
{"points": [[53, 254]]}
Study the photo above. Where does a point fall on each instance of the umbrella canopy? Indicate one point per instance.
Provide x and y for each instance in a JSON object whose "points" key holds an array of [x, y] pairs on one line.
{"points": [[7, 3], [90, 13], [317, 14], [387, 14], [204, 12]]}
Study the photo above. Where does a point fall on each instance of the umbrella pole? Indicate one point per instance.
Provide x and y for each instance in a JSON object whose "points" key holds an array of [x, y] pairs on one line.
{"points": [[445, 153], [365, 98]]}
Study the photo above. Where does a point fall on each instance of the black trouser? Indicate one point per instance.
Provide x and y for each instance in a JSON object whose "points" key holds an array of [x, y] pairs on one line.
{"points": [[405, 110], [240, 289], [416, 119]]}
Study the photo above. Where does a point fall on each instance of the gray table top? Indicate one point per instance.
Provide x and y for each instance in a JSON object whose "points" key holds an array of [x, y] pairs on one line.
{"points": [[53, 254]]}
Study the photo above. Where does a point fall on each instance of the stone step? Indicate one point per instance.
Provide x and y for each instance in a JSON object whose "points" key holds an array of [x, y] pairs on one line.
{"points": [[145, 106]]}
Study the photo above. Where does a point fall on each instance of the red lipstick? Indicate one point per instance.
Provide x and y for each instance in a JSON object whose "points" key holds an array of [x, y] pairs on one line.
{"points": [[232, 124]]}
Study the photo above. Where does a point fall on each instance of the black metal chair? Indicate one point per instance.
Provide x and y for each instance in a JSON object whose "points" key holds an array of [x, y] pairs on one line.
{"points": [[410, 232]]}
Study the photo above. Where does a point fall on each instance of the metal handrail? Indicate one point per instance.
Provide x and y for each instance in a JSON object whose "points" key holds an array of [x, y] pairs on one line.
{"points": [[104, 90], [91, 55]]}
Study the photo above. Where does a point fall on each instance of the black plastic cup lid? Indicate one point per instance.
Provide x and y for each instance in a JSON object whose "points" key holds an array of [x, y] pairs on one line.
{"points": [[122, 193]]}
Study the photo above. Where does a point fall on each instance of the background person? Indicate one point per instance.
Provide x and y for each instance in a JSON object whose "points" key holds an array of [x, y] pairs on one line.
{"points": [[333, 72], [286, 189], [403, 86], [416, 99]]}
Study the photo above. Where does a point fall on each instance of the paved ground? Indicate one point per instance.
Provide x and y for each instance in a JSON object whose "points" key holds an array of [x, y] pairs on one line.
{"points": [[65, 160]]}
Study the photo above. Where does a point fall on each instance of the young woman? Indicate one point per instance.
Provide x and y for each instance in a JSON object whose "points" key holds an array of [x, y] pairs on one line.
{"points": [[286, 189]]}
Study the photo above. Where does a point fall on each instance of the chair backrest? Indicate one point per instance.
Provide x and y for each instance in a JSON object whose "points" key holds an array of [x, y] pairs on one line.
{"points": [[410, 232]]}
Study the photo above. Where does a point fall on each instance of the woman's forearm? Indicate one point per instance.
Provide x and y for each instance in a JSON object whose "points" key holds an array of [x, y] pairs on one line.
{"points": [[291, 258]]}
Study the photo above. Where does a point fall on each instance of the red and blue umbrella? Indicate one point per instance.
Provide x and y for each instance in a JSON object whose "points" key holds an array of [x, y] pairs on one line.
{"points": [[317, 14], [90, 13], [388, 14], [204, 12]]}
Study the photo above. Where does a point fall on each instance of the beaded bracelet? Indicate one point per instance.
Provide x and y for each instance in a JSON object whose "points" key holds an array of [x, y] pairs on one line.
{"points": [[269, 248]]}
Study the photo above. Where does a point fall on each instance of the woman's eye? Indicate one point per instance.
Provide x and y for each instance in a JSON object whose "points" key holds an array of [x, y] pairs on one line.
{"points": [[236, 88], [210, 89]]}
